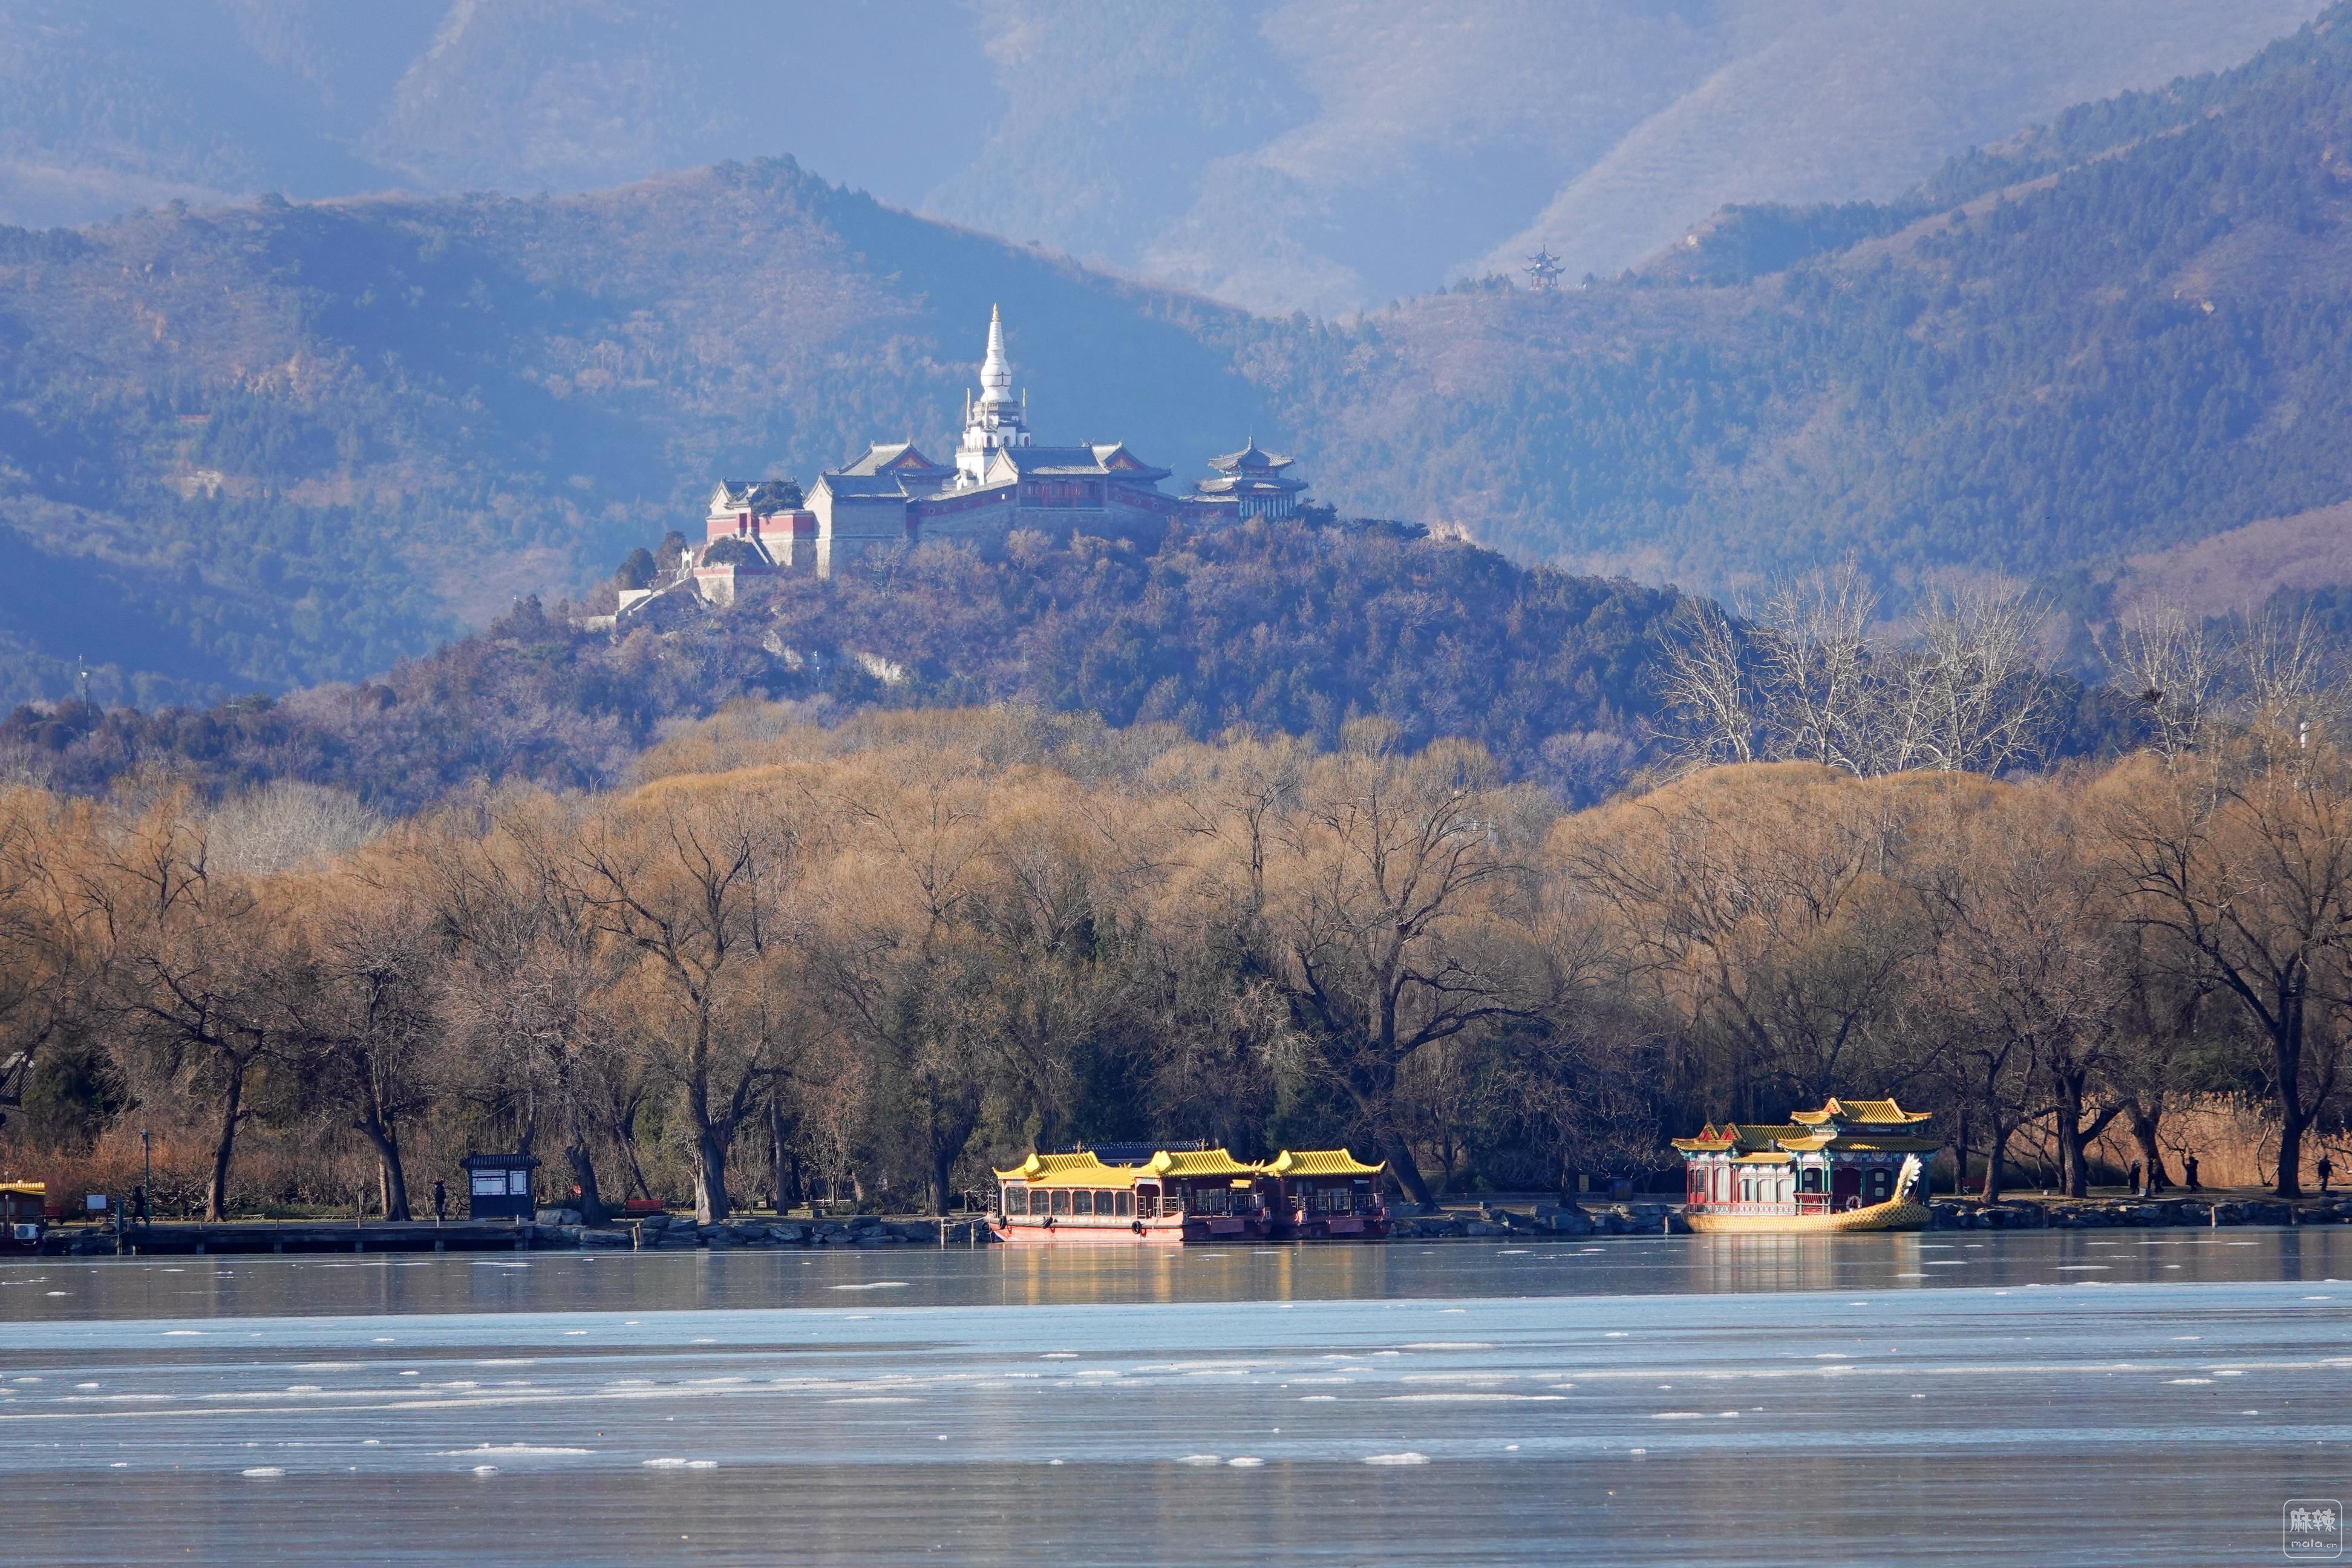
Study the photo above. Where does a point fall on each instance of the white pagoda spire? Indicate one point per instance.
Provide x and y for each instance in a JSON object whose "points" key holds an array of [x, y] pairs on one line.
{"points": [[997, 419], [995, 371]]}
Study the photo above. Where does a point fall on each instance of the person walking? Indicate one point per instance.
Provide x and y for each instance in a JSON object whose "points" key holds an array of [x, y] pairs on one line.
{"points": [[440, 1201], [2326, 1174], [2189, 1169]]}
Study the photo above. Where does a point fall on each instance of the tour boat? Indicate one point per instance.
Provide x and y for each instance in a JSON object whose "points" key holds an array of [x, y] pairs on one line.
{"points": [[1854, 1164], [1176, 1196]]}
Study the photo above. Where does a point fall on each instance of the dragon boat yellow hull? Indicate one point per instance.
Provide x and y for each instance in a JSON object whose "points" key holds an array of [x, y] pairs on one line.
{"points": [[1896, 1214]]}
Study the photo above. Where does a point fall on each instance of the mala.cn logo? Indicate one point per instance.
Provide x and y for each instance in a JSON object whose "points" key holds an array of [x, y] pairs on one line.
{"points": [[2312, 1530]]}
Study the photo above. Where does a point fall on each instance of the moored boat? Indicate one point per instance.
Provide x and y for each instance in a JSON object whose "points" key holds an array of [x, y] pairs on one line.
{"points": [[1854, 1164], [1327, 1194], [1178, 1196]]}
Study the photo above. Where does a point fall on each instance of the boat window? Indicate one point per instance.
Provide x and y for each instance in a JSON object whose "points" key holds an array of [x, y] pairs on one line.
{"points": [[1061, 1200], [1125, 1203], [1146, 1203], [1808, 1180], [1016, 1200], [1082, 1202]]}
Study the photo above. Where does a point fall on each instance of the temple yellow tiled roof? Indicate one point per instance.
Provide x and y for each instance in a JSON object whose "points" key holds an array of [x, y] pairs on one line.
{"points": [[1319, 1163]]}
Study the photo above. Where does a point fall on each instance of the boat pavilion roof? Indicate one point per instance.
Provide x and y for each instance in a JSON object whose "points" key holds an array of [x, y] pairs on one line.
{"points": [[1085, 1169], [1864, 1112], [1839, 1126], [1320, 1162]]}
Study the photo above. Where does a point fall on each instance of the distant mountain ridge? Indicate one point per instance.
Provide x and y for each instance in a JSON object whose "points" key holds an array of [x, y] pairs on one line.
{"points": [[2115, 335], [1316, 154]]}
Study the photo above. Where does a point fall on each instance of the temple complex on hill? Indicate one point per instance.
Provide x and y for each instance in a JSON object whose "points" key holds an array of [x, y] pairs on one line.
{"points": [[1001, 479]]}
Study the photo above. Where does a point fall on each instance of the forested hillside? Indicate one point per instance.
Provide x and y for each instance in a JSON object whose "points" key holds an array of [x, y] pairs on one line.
{"points": [[1295, 627], [258, 448], [2119, 334]]}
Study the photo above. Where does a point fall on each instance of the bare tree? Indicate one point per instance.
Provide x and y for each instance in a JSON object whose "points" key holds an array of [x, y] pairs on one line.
{"points": [[2244, 865], [1388, 919], [704, 886], [1756, 913], [208, 976], [2291, 695], [370, 1030], [1812, 639], [1705, 687], [2163, 659], [2026, 961], [1969, 694], [897, 971]]}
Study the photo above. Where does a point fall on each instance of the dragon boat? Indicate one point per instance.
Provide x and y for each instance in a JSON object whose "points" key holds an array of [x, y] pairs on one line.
{"points": [[1852, 1165]]}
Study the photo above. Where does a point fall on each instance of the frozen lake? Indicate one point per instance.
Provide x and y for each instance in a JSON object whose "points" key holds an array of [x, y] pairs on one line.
{"points": [[2126, 1398]]}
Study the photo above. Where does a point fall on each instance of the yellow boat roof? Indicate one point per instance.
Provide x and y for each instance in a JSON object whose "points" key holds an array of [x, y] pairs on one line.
{"points": [[26, 1189], [1084, 1169], [1320, 1162], [1038, 1166], [1866, 1112], [1199, 1163]]}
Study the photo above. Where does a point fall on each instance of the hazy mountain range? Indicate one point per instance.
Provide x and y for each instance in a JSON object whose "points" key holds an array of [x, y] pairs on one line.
{"points": [[1316, 154]]}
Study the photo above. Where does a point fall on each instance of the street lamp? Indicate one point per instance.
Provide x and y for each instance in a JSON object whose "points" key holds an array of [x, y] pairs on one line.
{"points": [[147, 1191]]}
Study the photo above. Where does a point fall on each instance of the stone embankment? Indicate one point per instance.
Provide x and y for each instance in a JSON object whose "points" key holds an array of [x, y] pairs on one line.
{"points": [[561, 1228], [2049, 1214], [1547, 1219], [552, 1230], [2063, 1214], [679, 1233]]}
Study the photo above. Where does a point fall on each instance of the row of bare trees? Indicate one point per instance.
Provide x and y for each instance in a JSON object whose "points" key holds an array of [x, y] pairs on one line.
{"points": [[880, 957], [1809, 673]]}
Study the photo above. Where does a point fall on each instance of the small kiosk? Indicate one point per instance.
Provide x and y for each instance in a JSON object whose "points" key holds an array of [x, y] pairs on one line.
{"points": [[23, 1215], [497, 1187]]}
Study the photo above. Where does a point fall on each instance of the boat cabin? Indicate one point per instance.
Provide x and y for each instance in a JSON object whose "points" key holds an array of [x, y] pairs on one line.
{"points": [[1327, 1192], [1179, 1195], [1846, 1156]]}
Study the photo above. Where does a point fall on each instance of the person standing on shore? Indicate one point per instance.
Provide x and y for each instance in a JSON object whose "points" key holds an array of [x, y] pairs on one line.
{"points": [[2189, 1169], [2326, 1174], [440, 1201], [2137, 1191]]}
